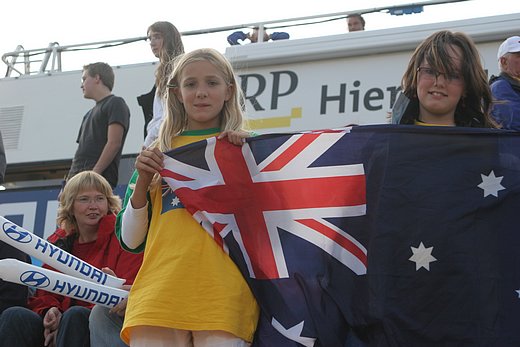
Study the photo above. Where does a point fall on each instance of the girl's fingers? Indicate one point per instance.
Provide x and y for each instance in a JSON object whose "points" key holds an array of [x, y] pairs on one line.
{"points": [[222, 135], [150, 161], [109, 271], [235, 137]]}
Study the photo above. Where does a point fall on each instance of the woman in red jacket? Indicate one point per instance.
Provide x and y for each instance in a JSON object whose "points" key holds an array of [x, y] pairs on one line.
{"points": [[87, 219]]}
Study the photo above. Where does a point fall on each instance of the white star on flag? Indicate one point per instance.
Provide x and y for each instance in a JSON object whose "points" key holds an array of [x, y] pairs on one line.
{"points": [[518, 292], [175, 201], [422, 257], [294, 333], [491, 184]]}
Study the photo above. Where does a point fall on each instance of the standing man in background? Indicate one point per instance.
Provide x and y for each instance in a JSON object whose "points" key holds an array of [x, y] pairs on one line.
{"points": [[104, 127], [355, 22], [506, 86]]}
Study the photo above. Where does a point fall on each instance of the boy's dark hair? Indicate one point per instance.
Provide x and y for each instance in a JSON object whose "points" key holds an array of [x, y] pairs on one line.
{"points": [[104, 71]]}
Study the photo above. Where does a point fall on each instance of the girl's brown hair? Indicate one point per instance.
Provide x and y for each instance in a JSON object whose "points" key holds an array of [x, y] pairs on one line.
{"points": [[473, 109], [172, 47]]}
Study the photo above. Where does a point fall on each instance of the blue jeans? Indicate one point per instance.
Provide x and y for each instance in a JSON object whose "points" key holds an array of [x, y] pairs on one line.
{"points": [[105, 328], [22, 327], [73, 330]]}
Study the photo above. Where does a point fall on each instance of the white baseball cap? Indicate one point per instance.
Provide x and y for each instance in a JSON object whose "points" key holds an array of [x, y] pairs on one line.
{"points": [[510, 45]]}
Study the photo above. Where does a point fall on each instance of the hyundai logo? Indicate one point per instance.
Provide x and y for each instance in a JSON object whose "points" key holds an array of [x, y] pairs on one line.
{"points": [[35, 279], [13, 233]]}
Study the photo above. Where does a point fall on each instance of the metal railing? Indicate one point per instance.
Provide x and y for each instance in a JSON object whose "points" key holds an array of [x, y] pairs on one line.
{"points": [[53, 53]]}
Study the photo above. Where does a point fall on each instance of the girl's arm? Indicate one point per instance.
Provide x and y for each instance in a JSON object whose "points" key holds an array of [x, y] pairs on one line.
{"points": [[134, 220], [153, 126], [134, 226]]}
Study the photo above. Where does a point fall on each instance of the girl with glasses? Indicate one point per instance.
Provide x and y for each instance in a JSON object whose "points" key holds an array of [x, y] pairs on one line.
{"points": [[446, 83], [86, 216]]}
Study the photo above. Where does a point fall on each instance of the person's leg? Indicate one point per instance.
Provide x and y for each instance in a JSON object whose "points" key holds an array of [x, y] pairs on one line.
{"points": [[148, 336], [73, 329], [20, 327], [217, 338], [105, 327]]}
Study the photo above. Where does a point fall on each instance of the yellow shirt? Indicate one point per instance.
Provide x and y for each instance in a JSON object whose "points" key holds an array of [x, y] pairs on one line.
{"points": [[418, 122], [186, 280]]}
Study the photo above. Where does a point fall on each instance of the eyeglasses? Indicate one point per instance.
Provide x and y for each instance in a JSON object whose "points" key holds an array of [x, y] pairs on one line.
{"points": [[85, 200], [430, 74]]}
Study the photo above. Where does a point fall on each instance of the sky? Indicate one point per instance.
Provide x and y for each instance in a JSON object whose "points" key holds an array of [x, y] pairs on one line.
{"points": [[37, 23]]}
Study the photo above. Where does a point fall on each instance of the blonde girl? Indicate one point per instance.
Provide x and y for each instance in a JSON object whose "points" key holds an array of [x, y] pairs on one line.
{"points": [[188, 291]]}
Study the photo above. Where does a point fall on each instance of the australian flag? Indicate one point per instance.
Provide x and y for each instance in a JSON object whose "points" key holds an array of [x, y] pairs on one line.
{"points": [[399, 235]]}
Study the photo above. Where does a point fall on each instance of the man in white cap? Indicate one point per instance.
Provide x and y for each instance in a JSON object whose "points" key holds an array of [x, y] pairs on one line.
{"points": [[506, 86]]}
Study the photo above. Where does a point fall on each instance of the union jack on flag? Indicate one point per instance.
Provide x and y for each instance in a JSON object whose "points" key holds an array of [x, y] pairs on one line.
{"points": [[275, 204]]}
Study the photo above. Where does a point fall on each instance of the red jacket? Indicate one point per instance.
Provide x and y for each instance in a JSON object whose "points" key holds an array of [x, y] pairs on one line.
{"points": [[110, 254]]}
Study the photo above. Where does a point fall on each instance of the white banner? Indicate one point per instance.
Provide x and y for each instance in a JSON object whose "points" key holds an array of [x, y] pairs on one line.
{"points": [[16, 271], [51, 255]]}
